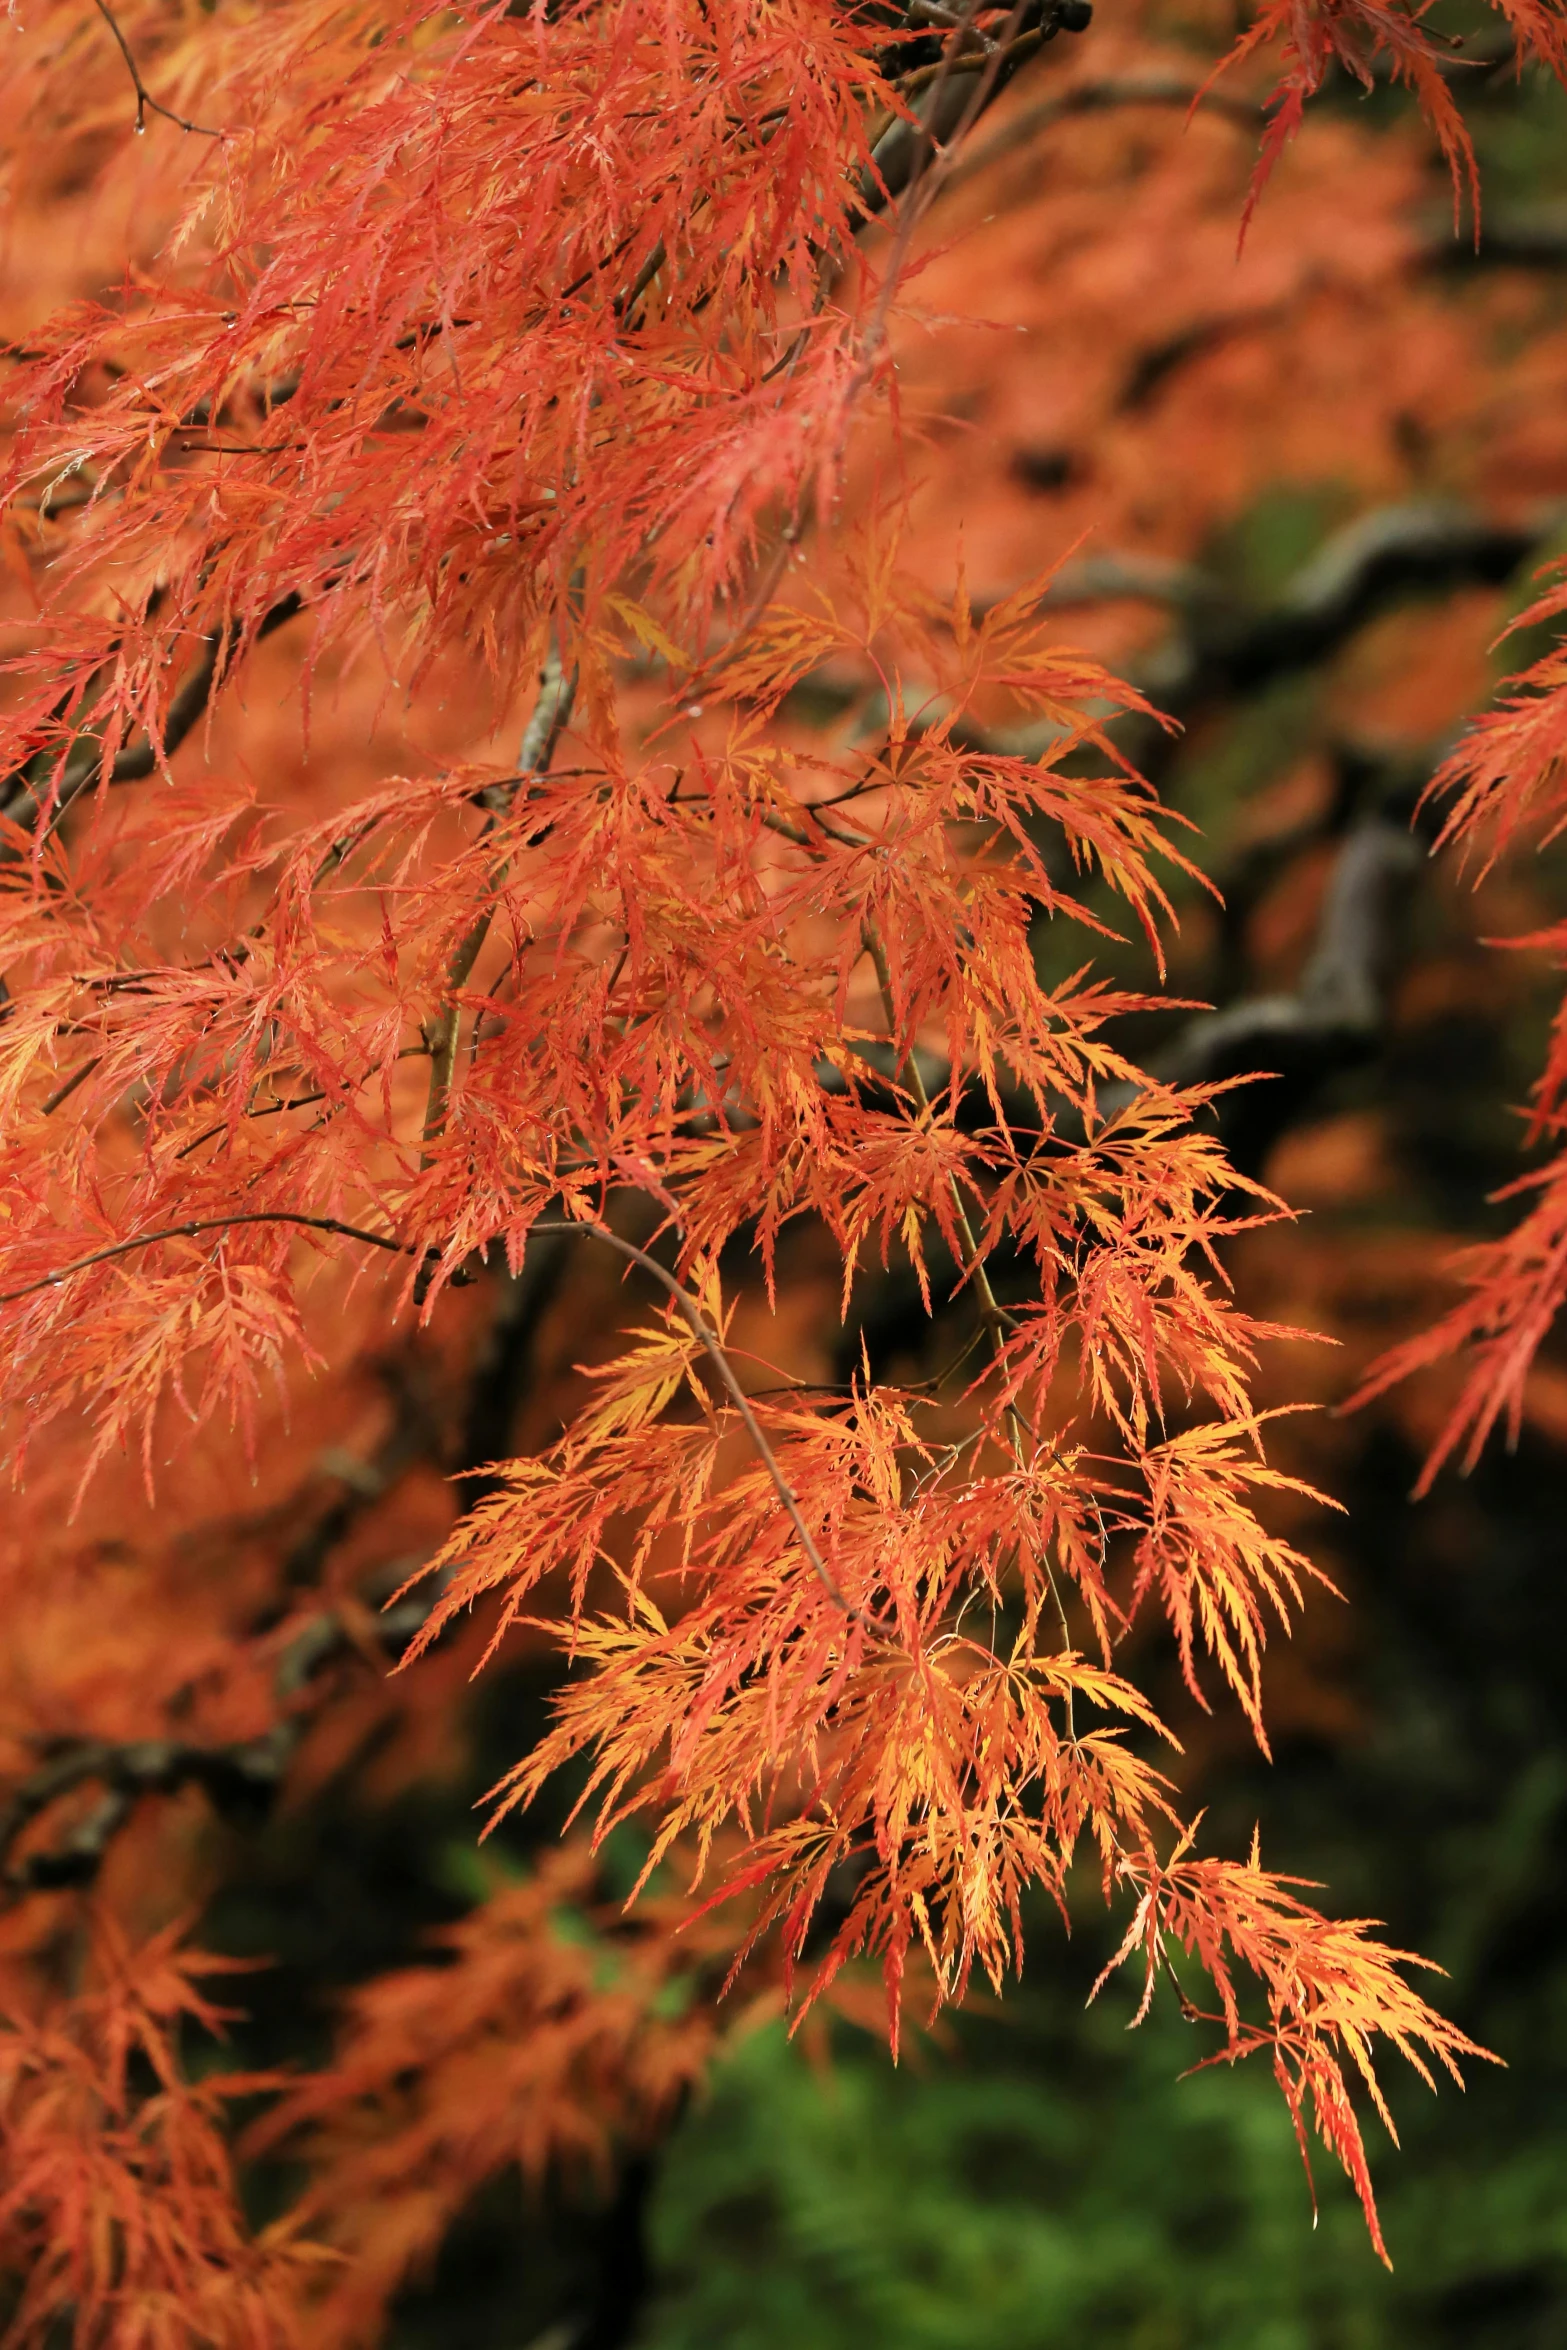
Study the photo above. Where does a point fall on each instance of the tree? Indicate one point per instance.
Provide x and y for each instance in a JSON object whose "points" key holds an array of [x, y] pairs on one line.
{"points": [[512, 373]]}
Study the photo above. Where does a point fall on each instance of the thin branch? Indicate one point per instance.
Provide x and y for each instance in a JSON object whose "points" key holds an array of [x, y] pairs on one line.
{"points": [[198, 1224], [144, 97], [551, 714], [1112, 578], [947, 111], [919, 178], [135, 761], [702, 1330], [131, 765], [985, 54], [1219, 650], [298, 1101], [68, 1085], [625, 303]]}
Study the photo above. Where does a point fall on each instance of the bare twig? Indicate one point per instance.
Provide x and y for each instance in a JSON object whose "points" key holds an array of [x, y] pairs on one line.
{"points": [[946, 109], [144, 97], [921, 176], [68, 1085]]}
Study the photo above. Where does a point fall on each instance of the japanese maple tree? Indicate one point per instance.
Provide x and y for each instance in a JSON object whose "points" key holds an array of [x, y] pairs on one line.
{"points": [[524, 381]]}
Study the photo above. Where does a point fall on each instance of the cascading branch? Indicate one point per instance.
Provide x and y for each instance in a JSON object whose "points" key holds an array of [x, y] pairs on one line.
{"points": [[528, 343], [1507, 782]]}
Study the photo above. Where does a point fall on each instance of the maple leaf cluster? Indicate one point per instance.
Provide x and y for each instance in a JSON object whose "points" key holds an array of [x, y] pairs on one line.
{"points": [[119, 2216], [509, 365]]}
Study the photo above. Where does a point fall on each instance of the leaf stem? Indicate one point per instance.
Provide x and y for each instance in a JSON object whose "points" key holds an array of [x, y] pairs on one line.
{"points": [[701, 1329]]}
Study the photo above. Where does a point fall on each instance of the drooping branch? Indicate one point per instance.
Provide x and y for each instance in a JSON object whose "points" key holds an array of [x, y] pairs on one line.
{"points": [[139, 760], [1392, 552]]}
